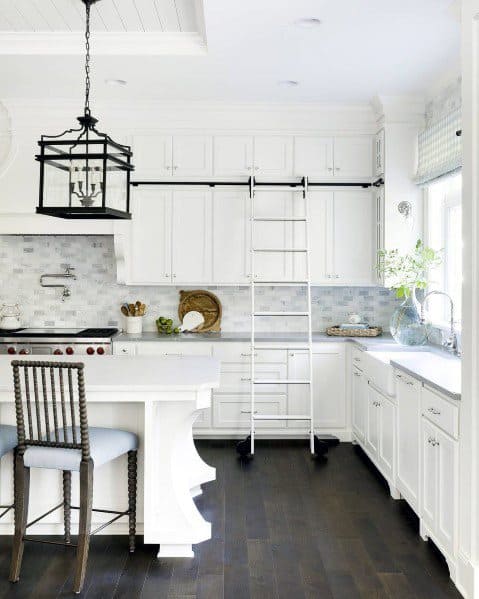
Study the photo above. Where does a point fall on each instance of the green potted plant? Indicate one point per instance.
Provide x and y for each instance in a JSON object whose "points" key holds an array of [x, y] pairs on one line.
{"points": [[405, 273]]}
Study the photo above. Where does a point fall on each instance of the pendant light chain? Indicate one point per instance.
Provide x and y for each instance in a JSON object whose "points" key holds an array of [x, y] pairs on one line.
{"points": [[87, 59]]}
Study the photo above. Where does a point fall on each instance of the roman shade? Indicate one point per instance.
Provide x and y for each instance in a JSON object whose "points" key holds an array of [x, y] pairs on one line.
{"points": [[439, 149]]}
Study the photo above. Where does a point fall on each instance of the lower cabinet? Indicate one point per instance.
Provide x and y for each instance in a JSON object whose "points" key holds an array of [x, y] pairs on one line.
{"points": [[359, 401]]}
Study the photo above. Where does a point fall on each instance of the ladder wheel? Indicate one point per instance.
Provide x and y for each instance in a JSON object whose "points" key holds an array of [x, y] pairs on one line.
{"points": [[320, 447], [244, 447]]}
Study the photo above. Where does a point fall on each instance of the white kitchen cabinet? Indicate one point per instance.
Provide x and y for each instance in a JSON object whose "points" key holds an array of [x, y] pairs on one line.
{"points": [[359, 391], [372, 424], [408, 393], [231, 237], [329, 390], [379, 153], [313, 157], [428, 474], [320, 236], [353, 238], [192, 256], [234, 411], [273, 156], [232, 156], [192, 156], [149, 238], [353, 158]]}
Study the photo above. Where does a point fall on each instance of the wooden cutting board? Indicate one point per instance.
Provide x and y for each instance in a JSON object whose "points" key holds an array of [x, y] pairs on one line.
{"points": [[204, 302]]}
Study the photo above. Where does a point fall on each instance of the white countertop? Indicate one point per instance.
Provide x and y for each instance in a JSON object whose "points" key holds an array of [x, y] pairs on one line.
{"points": [[134, 373]]}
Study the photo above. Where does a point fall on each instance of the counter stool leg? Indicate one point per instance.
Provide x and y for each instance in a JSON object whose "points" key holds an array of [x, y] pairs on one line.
{"points": [[67, 502], [22, 492], [132, 481], [84, 528]]}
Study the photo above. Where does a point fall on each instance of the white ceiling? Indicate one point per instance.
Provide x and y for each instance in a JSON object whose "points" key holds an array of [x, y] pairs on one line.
{"points": [[362, 48]]}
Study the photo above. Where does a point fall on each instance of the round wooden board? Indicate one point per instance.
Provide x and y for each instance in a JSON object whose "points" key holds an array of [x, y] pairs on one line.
{"points": [[204, 302]]}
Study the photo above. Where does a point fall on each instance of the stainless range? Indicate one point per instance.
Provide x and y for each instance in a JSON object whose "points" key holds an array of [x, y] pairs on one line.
{"points": [[93, 341]]}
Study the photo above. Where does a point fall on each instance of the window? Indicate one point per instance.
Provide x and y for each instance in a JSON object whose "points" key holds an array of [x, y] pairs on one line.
{"points": [[444, 231]]}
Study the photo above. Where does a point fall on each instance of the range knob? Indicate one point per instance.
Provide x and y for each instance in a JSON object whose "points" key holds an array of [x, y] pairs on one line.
{"points": [[11, 350], [100, 351], [90, 351], [69, 351], [24, 351], [58, 352]]}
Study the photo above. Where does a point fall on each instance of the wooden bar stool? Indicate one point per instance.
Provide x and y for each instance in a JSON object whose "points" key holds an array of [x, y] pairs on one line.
{"points": [[49, 437], [8, 442]]}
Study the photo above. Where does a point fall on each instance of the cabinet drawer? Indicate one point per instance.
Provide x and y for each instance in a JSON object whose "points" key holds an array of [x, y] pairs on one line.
{"points": [[124, 349], [241, 353], [178, 348], [440, 411], [235, 412], [358, 358], [235, 377]]}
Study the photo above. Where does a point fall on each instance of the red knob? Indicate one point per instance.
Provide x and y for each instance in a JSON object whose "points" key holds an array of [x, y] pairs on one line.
{"points": [[90, 351], [100, 351], [57, 352], [11, 350], [69, 351]]}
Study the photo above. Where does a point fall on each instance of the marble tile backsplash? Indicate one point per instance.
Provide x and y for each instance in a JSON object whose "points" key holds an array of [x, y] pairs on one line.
{"points": [[96, 296]]}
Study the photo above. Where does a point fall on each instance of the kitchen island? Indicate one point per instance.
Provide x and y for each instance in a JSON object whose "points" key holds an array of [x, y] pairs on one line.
{"points": [[159, 398]]}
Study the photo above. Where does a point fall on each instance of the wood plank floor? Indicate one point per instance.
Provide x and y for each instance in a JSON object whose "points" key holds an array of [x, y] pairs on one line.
{"points": [[284, 527]]}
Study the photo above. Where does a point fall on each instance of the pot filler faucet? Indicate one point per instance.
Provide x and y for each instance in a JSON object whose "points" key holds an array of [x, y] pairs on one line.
{"points": [[451, 342]]}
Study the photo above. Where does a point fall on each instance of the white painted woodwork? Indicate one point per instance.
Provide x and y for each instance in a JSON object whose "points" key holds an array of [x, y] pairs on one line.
{"points": [[233, 411], [359, 400], [159, 398], [231, 237], [192, 259], [313, 156], [408, 437], [353, 238], [379, 153], [443, 412], [428, 511], [353, 157], [329, 387], [153, 157], [321, 233], [192, 156], [273, 156], [387, 436], [447, 492], [150, 236], [372, 423], [232, 156]]}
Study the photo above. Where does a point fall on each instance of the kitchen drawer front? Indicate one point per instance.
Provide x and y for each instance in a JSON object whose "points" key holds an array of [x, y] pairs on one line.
{"points": [[358, 358], [440, 411], [180, 349], [408, 380], [231, 411], [124, 349], [235, 377], [241, 353]]}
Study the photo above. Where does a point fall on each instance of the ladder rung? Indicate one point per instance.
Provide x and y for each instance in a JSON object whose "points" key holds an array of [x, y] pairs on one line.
{"points": [[280, 417], [279, 283], [280, 313], [295, 347], [281, 382], [280, 250], [280, 219]]}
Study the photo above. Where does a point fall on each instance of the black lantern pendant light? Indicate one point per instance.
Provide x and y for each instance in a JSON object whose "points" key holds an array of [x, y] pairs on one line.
{"points": [[84, 173]]}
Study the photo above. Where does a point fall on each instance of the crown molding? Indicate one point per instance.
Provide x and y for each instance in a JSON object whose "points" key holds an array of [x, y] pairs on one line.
{"points": [[398, 109]]}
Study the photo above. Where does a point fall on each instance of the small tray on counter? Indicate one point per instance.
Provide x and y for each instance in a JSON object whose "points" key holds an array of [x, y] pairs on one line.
{"points": [[337, 331]]}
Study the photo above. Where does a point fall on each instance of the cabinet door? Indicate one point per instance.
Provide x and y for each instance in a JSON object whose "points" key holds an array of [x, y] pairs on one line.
{"points": [[329, 392], [320, 236], [273, 157], [379, 153], [386, 446], [152, 157], [150, 237], [372, 423], [353, 246], [408, 439], [313, 157], [231, 237], [428, 495], [353, 158], [232, 155], [379, 201], [447, 473], [359, 403], [191, 248], [192, 156]]}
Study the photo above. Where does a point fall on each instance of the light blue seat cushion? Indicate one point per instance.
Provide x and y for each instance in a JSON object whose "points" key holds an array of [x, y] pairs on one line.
{"points": [[106, 444], [8, 438]]}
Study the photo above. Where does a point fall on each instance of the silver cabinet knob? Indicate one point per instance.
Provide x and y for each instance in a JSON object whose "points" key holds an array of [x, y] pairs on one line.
{"points": [[168, 168]]}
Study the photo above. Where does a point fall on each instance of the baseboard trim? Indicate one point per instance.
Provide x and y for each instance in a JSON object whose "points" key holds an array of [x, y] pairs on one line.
{"points": [[467, 577]]}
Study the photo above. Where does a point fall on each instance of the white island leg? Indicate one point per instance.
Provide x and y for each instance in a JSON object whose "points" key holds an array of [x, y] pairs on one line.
{"points": [[172, 468], [201, 472]]}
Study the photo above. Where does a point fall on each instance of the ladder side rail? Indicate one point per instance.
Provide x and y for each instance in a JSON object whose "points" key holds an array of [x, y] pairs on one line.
{"points": [[310, 310], [252, 344]]}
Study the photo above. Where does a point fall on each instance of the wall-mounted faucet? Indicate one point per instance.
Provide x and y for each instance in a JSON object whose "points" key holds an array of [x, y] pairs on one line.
{"points": [[68, 274], [451, 342]]}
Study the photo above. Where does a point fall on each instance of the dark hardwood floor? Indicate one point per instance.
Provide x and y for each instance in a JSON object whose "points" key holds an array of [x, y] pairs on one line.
{"points": [[284, 527]]}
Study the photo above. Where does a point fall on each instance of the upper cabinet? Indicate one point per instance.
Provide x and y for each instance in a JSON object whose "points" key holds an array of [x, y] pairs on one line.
{"points": [[192, 156], [323, 158], [264, 156]]}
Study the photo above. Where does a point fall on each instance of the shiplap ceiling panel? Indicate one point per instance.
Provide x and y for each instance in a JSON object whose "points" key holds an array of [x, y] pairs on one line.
{"points": [[107, 15]]}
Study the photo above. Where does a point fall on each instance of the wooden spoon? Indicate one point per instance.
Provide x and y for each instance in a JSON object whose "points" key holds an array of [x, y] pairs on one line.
{"points": [[124, 310]]}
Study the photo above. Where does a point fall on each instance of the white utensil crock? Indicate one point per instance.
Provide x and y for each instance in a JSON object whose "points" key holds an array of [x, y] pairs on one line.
{"points": [[134, 325]]}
